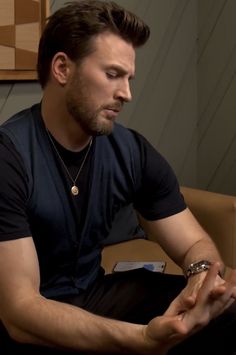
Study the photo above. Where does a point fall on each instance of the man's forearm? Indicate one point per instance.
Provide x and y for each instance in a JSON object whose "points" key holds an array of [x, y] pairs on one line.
{"points": [[46, 322]]}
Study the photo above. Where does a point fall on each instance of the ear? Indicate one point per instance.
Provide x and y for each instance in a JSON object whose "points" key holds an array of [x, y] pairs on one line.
{"points": [[60, 67]]}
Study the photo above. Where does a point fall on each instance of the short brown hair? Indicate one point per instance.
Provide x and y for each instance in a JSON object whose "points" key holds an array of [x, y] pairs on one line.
{"points": [[71, 28]]}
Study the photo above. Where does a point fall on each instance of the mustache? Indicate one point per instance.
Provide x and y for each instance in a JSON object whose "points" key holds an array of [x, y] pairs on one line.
{"points": [[115, 106]]}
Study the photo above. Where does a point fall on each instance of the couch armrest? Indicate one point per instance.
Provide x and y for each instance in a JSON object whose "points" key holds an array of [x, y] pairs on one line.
{"points": [[215, 212], [217, 215]]}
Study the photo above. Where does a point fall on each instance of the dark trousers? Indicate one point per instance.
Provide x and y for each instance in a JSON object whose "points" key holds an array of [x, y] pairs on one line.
{"points": [[138, 296]]}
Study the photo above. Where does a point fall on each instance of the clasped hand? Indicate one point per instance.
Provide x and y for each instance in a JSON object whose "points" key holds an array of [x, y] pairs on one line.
{"points": [[189, 312]]}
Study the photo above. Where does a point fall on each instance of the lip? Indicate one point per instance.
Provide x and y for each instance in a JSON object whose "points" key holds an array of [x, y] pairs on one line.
{"points": [[111, 112]]}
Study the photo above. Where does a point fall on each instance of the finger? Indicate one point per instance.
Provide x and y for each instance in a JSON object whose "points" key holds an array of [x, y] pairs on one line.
{"points": [[209, 282], [231, 278], [234, 293], [227, 288], [220, 299], [189, 302], [180, 305], [230, 302], [217, 292], [220, 306]]}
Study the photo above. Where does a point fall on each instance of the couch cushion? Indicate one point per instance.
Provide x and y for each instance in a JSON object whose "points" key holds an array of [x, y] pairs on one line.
{"points": [[136, 250]]}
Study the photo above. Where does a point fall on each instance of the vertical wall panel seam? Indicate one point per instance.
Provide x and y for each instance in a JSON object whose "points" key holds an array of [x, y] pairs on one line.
{"points": [[212, 96], [181, 83], [221, 161], [221, 99], [211, 32], [160, 54], [181, 169]]}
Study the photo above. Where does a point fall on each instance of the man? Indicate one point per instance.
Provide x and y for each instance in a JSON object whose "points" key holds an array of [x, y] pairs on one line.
{"points": [[67, 169]]}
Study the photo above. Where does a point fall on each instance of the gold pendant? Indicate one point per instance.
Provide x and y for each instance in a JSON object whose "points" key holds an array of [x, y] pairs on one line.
{"points": [[75, 190]]}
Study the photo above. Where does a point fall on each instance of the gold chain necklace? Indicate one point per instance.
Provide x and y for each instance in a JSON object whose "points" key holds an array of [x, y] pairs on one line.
{"points": [[74, 189]]}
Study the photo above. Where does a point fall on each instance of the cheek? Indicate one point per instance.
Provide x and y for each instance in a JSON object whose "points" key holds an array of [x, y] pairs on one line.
{"points": [[100, 95], [100, 86]]}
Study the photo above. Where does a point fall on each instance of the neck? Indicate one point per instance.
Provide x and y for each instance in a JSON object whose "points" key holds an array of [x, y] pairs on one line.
{"points": [[61, 125]]}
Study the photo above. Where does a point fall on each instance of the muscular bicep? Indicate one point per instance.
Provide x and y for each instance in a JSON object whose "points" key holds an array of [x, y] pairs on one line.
{"points": [[14, 193], [19, 274]]}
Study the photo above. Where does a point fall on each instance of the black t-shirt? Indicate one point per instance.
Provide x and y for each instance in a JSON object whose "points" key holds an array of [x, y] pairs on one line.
{"points": [[158, 198]]}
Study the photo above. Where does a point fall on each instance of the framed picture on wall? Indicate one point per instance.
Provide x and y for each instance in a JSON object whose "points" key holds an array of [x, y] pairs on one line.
{"points": [[21, 24]]}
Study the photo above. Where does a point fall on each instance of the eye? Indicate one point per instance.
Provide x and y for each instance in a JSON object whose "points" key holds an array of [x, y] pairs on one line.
{"points": [[111, 74]]}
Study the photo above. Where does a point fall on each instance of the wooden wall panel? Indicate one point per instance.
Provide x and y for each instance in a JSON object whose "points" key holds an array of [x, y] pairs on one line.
{"points": [[19, 37], [7, 14]]}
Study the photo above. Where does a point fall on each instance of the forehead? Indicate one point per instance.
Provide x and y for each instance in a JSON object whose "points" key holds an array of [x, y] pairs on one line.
{"points": [[111, 49]]}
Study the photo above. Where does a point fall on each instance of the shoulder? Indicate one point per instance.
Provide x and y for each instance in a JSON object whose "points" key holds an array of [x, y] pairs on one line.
{"points": [[20, 120], [11, 160], [8, 150], [129, 137], [121, 132], [147, 152], [121, 142]]}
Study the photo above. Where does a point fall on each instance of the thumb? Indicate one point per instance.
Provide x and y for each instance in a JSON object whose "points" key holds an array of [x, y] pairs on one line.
{"points": [[166, 331], [180, 304]]}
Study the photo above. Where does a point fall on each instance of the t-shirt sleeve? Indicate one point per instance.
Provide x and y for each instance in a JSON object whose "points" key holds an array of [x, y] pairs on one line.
{"points": [[159, 195], [13, 193]]}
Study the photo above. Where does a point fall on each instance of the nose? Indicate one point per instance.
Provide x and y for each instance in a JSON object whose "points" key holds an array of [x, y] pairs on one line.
{"points": [[123, 92]]}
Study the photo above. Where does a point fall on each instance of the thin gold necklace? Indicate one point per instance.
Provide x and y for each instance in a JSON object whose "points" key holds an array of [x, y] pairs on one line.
{"points": [[74, 189]]}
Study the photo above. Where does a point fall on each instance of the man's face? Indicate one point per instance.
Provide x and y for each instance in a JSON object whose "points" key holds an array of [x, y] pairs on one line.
{"points": [[99, 85]]}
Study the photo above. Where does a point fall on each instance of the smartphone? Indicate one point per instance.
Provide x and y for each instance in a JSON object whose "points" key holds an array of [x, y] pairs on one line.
{"points": [[155, 266]]}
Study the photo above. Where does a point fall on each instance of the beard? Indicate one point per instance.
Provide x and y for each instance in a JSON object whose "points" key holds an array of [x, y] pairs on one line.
{"points": [[87, 119], [79, 104]]}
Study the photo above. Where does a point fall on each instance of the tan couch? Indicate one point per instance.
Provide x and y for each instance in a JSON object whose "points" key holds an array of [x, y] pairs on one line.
{"points": [[215, 212]]}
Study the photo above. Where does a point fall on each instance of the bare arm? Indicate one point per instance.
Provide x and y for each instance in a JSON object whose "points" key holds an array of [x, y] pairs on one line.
{"points": [[182, 237], [30, 318]]}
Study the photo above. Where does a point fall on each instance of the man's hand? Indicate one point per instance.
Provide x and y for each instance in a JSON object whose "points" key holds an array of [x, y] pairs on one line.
{"points": [[188, 314], [195, 282]]}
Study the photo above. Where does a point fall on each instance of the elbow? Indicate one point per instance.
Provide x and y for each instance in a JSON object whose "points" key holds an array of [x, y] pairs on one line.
{"points": [[15, 333]]}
